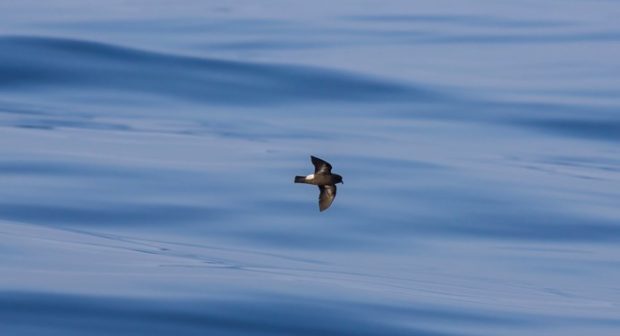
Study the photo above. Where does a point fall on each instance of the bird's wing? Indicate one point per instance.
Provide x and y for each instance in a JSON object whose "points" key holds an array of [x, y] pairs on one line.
{"points": [[320, 166], [327, 195]]}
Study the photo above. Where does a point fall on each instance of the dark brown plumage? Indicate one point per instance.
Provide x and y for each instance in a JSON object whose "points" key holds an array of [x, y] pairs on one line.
{"points": [[324, 179]]}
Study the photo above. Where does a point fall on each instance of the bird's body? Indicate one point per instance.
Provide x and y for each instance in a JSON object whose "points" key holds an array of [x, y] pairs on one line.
{"points": [[319, 179], [324, 179]]}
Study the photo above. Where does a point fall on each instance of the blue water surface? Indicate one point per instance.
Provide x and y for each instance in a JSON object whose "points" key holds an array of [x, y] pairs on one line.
{"points": [[148, 149]]}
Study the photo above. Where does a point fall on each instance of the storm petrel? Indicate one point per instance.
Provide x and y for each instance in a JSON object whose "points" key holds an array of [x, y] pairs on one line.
{"points": [[323, 178]]}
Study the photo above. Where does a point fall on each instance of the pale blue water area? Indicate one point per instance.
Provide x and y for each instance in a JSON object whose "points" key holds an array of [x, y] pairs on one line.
{"points": [[148, 149]]}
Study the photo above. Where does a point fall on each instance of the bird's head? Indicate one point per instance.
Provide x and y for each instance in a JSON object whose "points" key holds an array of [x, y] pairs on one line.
{"points": [[338, 178]]}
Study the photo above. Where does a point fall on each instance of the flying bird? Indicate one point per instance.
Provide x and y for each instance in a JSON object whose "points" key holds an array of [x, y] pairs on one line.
{"points": [[324, 179]]}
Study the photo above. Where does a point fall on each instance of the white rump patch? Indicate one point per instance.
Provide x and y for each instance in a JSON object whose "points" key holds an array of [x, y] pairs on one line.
{"points": [[310, 177]]}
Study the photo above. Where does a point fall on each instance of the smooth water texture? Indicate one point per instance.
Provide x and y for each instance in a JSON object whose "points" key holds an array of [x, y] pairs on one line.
{"points": [[148, 149]]}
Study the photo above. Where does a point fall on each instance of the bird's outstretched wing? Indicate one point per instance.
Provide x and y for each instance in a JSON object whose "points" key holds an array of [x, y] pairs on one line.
{"points": [[320, 166], [327, 195]]}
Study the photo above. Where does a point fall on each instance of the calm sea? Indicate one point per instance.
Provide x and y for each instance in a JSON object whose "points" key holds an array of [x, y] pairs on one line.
{"points": [[148, 149]]}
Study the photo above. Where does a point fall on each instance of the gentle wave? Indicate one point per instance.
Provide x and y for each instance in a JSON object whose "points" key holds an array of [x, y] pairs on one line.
{"points": [[215, 291], [56, 64]]}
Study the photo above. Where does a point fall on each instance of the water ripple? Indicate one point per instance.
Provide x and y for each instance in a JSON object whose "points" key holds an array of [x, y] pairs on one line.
{"points": [[66, 64]]}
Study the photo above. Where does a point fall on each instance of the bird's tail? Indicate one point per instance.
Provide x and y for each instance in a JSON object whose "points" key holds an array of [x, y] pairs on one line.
{"points": [[300, 179]]}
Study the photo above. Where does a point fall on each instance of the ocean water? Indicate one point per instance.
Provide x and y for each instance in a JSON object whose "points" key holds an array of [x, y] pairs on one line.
{"points": [[148, 148]]}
